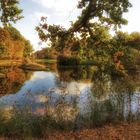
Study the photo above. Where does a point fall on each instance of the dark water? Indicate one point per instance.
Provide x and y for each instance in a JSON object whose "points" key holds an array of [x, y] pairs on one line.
{"points": [[82, 95]]}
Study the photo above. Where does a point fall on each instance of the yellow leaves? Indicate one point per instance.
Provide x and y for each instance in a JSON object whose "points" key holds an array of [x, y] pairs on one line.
{"points": [[4, 35], [13, 43]]}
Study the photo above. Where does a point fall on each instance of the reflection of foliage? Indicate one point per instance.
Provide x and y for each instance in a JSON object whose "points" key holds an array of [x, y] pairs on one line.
{"points": [[63, 112], [75, 73], [13, 81], [101, 86], [66, 61], [103, 112], [104, 84], [128, 84]]}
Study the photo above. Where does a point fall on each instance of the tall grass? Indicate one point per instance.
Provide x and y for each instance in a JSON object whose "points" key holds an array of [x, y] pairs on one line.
{"points": [[25, 124]]}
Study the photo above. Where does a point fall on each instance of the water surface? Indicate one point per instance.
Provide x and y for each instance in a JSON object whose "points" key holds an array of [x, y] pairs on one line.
{"points": [[79, 95]]}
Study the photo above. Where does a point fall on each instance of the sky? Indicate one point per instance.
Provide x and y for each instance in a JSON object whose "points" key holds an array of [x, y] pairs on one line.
{"points": [[62, 12]]}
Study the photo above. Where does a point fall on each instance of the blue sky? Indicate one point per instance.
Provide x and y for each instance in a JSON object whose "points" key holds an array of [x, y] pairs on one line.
{"points": [[62, 12]]}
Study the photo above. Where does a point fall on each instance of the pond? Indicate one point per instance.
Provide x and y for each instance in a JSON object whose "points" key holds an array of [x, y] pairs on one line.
{"points": [[72, 97]]}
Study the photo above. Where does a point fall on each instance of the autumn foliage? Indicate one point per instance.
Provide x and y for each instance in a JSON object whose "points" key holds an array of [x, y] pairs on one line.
{"points": [[13, 45], [117, 60]]}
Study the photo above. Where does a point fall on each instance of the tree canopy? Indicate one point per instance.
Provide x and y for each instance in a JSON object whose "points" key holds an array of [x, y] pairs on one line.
{"points": [[89, 38], [13, 45], [10, 11], [108, 13], [103, 11]]}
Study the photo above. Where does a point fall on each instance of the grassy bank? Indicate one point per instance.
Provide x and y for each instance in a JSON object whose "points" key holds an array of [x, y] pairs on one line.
{"points": [[8, 63], [20, 64], [23, 125], [50, 61]]}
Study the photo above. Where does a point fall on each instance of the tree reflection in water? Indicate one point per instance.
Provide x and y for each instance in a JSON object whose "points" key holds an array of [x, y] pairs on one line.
{"points": [[14, 80], [77, 97], [115, 98]]}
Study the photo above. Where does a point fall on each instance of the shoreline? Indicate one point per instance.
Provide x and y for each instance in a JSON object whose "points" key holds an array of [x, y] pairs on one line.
{"points": [[18, 63], [120, 131]]}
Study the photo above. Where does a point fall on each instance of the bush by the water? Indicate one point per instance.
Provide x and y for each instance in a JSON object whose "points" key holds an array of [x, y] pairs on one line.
{"points": [[63, 60]]}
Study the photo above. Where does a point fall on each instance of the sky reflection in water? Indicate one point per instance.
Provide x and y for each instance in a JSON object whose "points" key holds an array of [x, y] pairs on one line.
{"points": [[82, 99]]}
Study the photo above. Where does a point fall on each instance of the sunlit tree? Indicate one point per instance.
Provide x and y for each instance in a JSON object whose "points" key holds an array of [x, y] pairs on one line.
{"points": [[103, 12], [10, 11]]}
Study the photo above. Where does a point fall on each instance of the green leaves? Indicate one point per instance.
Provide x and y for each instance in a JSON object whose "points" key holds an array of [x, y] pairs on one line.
{"points": [[89, 36], [102, 11], [9, 11], [28, 49]]}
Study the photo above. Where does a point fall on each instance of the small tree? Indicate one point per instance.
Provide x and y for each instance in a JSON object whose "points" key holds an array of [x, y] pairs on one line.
{"points": [[9, 11], [28, 49]]}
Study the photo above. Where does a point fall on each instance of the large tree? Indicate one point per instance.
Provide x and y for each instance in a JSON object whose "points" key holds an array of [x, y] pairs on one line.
{"points": [[9, 11], [105, 12]]}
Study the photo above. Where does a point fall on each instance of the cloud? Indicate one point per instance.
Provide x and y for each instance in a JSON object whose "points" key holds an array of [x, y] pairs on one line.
{"points": [[58, 11], [58, 5], [62, 12]]}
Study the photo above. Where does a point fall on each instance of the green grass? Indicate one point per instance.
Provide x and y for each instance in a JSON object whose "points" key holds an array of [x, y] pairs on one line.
{"points": [[46, 60], [16, 62], [24, 124], [82, 62]]}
